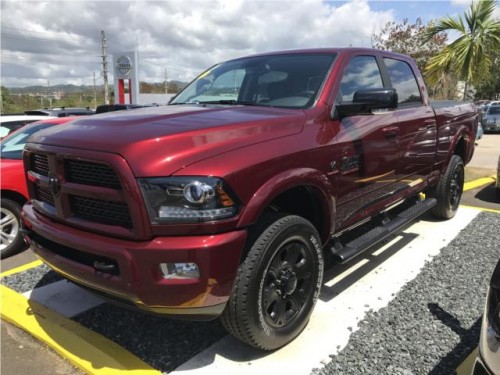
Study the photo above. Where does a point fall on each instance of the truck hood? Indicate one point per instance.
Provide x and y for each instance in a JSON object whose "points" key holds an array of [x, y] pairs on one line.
{"points": [[158, 141]]}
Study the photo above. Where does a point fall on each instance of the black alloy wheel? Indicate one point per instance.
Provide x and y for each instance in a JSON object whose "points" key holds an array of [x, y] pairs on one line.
{"points": [[277, 284]]}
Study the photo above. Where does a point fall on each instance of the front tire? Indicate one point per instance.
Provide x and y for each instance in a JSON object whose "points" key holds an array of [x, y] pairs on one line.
{"points": [[11, 240], [277, 285], [448, 191]]}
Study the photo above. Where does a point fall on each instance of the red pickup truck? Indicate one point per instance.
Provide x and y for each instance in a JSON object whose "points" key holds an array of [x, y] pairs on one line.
{"points": [[227, 201]]}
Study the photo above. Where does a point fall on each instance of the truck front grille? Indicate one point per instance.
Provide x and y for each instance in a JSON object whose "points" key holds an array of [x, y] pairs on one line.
{"points": [[100, 211], [80, 192], [89, 173], [40, 164], [44, 195]]}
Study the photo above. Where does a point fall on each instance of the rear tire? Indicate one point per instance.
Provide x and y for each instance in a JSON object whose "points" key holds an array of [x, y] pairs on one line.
{"points": [[448, 191], [11, 240], [277, 284]]}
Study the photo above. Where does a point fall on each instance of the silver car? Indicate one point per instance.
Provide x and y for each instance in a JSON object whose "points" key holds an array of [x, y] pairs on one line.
{"points": [[491, 119], [488, 358], [497, 184]]}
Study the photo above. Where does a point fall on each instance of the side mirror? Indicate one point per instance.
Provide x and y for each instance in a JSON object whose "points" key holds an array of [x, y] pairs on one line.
{"points": [[365, 101]]}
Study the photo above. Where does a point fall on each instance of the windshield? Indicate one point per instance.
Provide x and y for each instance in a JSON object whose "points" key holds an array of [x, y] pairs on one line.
{"points": [[494, 110], [288, 81], [13, 145]]}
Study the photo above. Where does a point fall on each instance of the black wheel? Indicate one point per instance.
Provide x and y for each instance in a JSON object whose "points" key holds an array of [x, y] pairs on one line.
{"points": [[277, 284], [497, 191], [448, 191], [11, 240]]}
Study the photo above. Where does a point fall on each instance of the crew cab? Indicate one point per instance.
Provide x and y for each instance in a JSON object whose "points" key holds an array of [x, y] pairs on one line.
{"points": [[227, 201]]}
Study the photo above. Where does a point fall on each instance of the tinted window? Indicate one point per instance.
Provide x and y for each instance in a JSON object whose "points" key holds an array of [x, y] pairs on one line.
{"points": [[494, 110], [361, 73], [403, 80], [289, 81]]}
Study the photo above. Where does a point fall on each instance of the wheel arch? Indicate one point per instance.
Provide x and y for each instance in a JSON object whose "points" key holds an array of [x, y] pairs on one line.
{"points": [[14, 196], [302, 192]]}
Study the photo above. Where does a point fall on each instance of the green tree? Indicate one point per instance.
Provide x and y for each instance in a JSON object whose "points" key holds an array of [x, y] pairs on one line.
{"points": [[472, 54], [408, 38]]}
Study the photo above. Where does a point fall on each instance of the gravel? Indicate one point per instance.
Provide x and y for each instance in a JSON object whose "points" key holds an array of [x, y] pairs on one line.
{"points": [[430, 326], [433, 322]]}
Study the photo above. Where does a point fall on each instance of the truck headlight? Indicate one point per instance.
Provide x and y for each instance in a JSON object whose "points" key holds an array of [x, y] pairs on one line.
{"points": [[187, 199]]}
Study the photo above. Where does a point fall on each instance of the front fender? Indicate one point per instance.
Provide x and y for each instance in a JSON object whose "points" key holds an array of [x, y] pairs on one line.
{"points": [[287, 180]]}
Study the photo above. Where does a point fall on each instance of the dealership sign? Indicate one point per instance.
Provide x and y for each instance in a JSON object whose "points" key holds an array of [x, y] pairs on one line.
{"points": [[126, 77]]}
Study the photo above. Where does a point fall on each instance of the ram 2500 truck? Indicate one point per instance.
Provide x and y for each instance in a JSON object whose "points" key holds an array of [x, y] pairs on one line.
{"points": [[227, 201]]}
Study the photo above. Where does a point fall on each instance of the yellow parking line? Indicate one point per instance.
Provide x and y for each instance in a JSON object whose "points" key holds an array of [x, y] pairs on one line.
{"points": [[467, 365], [479, 182], [22, 268], [86, 349], [481, 208]]}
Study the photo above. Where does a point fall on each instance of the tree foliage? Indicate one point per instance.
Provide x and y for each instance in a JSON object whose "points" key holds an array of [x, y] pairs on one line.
{"points": [[408, 38], [473, 53]]}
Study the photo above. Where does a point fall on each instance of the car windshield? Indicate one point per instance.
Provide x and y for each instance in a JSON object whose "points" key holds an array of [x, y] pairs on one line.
{"points": [[287, 81], [494, 110], [13, 145]]}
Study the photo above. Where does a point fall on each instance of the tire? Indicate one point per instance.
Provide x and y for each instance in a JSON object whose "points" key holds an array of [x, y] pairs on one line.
{"points": [[277, 284], [497, 192], [11, 240], [448, 191]]}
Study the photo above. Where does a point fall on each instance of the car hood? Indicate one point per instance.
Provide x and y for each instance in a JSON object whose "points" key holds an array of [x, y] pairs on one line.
{"points": [[12, 172], [161, 140]]}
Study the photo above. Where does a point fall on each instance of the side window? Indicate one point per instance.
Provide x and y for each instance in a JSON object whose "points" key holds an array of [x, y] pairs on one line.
{"points": [[362, 73], [404, 81]]}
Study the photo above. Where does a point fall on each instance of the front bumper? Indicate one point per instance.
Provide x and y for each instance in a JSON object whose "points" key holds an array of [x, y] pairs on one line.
{"points": [[136, 277], [491, 127]]}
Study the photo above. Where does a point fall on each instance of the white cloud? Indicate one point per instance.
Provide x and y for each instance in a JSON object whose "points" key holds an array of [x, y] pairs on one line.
{"points": [[60, 40]]}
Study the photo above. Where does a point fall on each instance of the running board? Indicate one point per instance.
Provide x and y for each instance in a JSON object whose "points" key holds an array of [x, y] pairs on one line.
{"points": [[344, 253]]}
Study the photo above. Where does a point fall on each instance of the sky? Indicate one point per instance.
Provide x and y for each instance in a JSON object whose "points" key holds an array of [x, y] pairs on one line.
{"points": [[59, 42]]}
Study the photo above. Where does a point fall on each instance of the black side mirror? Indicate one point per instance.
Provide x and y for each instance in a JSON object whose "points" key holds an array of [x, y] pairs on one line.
{"points": [[365, 101]]}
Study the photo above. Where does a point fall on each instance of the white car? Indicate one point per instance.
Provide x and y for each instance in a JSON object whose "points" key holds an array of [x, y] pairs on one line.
{"points": [[11, 123]]}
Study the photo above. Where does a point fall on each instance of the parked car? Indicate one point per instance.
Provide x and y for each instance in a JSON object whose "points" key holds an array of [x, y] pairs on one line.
{"points": [[226, 201], [14, 192], [488, 358], [497, 184], [10, 123], [120, 107], [491, 118], [61, 112]]}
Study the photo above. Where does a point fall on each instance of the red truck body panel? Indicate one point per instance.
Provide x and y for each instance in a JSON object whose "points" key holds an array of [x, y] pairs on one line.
{"points": [[351, 168]]}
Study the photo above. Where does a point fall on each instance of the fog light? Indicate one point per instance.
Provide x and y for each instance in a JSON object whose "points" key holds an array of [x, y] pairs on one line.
{"points": [[180, 270]]}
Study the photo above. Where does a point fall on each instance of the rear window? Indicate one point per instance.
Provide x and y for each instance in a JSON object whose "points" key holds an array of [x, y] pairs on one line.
{"points": [[404, 81], [494, 110]]}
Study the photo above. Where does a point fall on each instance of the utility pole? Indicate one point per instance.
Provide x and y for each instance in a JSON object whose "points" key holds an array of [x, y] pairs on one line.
{"points": [[95, 96], [104, 67]]}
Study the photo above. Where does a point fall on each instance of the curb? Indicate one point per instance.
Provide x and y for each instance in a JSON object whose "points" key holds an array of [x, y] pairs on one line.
{"points": [[81, 346]]}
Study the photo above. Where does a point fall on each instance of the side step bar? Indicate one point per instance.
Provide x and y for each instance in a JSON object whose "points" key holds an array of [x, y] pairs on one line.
{"points": [[343, 253]]}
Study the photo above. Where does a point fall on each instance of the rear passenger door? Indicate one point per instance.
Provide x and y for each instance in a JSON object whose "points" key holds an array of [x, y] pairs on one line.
{"points": [[367, 146], [416, 123]]}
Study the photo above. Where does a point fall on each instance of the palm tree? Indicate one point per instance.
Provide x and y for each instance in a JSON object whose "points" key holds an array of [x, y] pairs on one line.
{"points": [[472, 54]]}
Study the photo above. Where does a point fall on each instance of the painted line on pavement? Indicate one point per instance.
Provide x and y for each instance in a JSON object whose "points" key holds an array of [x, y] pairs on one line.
{"points": [[22, 268], [84, 348], [479, 182], [481, 208]]}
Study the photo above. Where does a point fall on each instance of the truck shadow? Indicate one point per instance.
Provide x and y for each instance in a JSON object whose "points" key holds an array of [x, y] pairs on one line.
{"points": [[487, 194]]}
